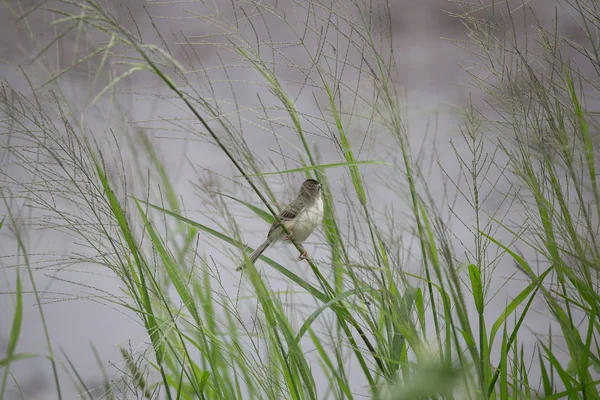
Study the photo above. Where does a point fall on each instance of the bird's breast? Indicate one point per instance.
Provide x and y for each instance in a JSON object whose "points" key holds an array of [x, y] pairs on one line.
{"points": [[308, 220]]}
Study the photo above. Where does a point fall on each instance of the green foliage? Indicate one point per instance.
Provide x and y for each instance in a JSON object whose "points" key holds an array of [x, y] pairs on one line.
{"points": [[387, 309]]}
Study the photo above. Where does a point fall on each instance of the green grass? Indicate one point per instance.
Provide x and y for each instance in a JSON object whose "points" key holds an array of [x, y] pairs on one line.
{"points": [[395, 304]]}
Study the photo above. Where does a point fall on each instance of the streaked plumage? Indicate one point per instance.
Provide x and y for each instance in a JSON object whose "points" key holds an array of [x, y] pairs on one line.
{"points": [[300, 217]]}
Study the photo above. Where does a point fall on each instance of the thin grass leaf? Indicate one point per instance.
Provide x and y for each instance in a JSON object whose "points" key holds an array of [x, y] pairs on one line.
{"points": [[295, 278], [504, 366], [84, 391], [152, 325], [172, 268], [5, 362], [267, 217], [512, 306], [573, 392], [566, 379], [306, 325], [15, 330]]}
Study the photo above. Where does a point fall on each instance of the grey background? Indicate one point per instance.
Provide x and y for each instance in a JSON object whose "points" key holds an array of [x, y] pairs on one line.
{"points": [[431, 71]]}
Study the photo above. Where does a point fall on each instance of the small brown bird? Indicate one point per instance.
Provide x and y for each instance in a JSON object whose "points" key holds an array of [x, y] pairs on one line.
{"points": [[300, 217]]}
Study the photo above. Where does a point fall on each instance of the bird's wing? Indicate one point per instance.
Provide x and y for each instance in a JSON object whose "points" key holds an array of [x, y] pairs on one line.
{"points": [[287, 214]]}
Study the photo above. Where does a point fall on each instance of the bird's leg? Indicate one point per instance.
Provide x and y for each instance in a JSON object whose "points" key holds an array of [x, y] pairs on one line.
{"points": [[289, 237], [303, 256]]}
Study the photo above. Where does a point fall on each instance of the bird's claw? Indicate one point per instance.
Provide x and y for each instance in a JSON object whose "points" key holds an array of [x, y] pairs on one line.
{"points": [[289, 237], [303, 256]]}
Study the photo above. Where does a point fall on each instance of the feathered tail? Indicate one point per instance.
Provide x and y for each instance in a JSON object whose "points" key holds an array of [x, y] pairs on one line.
{"points": [[255, 254]]}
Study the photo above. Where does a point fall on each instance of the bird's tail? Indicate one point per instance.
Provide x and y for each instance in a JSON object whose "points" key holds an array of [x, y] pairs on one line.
{"points": [[255, 254]]}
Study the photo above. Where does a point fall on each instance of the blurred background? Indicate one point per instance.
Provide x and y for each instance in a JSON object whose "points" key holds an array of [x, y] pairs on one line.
{"points": [[431, 66]]}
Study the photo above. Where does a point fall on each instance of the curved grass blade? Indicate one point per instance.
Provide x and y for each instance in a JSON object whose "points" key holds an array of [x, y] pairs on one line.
{"points": [[15, 330], [258, 211], [17, 357], [172, 268], [295, 278], [306, 325]]}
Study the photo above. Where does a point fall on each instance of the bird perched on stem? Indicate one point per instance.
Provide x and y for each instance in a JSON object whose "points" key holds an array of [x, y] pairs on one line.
{"points": [[300, 218]]}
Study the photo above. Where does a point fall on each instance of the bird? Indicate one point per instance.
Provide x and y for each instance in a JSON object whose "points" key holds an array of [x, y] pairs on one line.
{"points": [[300, 218]]}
